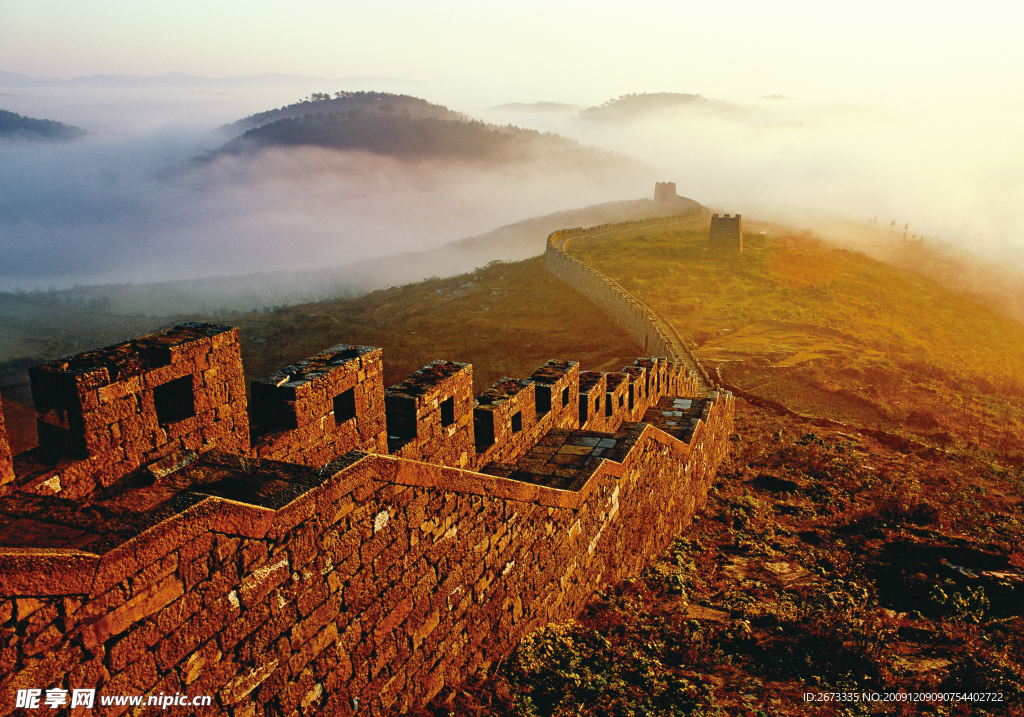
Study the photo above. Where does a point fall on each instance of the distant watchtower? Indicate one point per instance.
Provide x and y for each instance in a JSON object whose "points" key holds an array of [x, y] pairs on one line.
{"points": [[726, 234], [664, 191]]}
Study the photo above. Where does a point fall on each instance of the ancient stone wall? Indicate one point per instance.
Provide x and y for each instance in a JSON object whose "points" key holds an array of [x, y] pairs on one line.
{"points": [[625, 310], [505, 421], [430, 415], [321, 408], [557, 387], [104, 414], [361, 586], [616, 406], [642, 324], [593, 391], [377, 581], [664, 191]]}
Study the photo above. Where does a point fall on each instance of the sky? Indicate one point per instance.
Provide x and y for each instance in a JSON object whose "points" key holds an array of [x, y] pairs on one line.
{"points": [[866, 51], [905, 110]]}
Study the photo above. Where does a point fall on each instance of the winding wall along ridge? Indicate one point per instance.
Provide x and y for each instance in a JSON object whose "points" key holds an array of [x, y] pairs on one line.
{"points": [[657, 336], [362, 586]]}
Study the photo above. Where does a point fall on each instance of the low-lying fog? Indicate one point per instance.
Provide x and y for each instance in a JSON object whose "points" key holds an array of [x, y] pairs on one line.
{"points": [[125, 204], [952, 172]]}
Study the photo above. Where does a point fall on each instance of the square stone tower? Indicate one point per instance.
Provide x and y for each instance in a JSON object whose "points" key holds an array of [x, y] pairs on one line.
{"points": [[726, 234], [664, 191]]}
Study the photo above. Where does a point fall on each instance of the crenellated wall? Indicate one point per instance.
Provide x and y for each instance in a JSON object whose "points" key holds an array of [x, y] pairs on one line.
{"points": [[321, 408], [337, 581], [380, 579]]}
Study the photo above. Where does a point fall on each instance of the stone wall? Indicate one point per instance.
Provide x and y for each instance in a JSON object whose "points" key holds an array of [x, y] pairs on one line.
{"points": [[726, 233], [430, 415], [625, 310], [321, 408], [378, 581], [104, 414], [639, 321], [593, 391], [365, 585]]}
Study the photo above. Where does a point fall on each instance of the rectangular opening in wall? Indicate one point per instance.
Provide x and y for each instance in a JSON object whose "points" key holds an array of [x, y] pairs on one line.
{"points": [[344, 406], [597, 405], [448, 411], [174, 401], [273, 408], [517, 422], [483, 429], [632, 390], [565, 397], [400, 414], [542, 399], [608, 408], [584, 405]]}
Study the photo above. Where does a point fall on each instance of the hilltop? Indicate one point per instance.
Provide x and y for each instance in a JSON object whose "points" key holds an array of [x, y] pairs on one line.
{"points": [[15, 126], [407, 128], [344, 102], [628, 108]]}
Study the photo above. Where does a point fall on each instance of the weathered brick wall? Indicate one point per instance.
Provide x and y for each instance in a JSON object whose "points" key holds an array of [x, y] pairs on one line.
{"points": [[430, 415], [557, 387], [637, 400], [104, 414], [381, 580], [318, 409], [505, 421], [726, 233], [617, 400], [593, 389], [6, 462]]}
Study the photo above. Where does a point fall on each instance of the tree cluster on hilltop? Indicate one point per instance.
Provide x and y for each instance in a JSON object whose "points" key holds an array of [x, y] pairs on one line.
{"points": [[323, 102], [14, 125], [634, 105]]}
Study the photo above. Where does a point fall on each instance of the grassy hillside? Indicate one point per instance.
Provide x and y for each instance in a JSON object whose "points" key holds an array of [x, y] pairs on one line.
{"points": [[830, 332], [505, 319]]}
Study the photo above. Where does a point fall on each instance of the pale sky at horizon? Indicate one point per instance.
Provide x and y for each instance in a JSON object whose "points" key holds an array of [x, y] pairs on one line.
{"points": [[868, 52]]}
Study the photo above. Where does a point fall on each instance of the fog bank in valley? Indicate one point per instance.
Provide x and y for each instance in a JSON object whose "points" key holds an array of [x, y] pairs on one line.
{"points": [[126, 204]]}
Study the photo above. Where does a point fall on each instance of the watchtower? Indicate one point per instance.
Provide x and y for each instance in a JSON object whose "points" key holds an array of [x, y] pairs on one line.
{"points": [[664, 191], [726, 233]]}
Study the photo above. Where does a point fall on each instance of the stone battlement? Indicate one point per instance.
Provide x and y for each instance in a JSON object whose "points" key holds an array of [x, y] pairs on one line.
{"points": [[359, 549]]}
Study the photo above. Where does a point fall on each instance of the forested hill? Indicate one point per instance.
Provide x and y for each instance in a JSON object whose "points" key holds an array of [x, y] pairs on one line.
{"points": [[14, 125], [319, 103], [412, 138]]}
